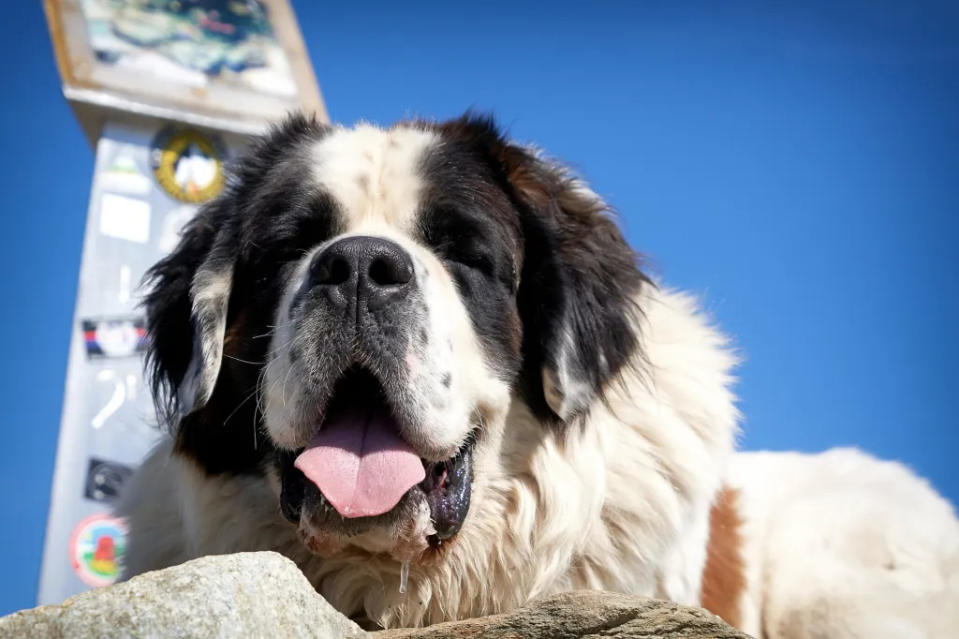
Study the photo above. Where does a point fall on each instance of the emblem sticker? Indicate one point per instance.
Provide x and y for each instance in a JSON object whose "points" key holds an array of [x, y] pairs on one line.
{"points": [[116, 337], [96, 549], [188, 164]]}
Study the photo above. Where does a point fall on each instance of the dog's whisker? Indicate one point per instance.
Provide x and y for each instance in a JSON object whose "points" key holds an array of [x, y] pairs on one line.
{"points": [[243, 361], [239, 406]]}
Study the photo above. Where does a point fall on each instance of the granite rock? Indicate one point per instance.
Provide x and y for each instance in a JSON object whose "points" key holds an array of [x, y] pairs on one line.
{"points": [[260, 594], [580, 615]]}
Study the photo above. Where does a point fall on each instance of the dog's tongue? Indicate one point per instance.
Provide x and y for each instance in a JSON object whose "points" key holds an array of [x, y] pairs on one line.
{"points": [[360, 463]]}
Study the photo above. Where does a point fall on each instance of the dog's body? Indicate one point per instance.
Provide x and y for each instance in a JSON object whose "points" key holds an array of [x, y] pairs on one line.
{"points": [[542, 417]]}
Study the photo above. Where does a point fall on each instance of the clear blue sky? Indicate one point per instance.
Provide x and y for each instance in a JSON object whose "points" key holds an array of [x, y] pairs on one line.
{"points": [[797, 167]]}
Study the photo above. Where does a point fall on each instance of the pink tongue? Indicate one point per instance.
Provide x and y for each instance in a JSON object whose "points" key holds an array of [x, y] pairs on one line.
{"points": [[360, 463]]}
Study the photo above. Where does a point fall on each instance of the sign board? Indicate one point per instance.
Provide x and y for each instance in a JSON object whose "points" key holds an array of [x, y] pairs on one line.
{"points": [[169, 91], [225, 64], [108, 421]]}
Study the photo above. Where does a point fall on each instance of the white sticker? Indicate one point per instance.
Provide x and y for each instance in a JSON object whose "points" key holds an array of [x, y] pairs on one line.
{"points": [[173, 225], [125, 218]]}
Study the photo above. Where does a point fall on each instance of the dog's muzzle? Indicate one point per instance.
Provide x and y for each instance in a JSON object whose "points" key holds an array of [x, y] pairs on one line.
{"points": [[357, 471]]}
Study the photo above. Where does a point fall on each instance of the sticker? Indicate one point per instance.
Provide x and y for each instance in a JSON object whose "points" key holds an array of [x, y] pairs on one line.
{"points": [[125, 218], [105, 479], [123, 176], [96, 549], [188, 164], [114, 337], [173, 225]]}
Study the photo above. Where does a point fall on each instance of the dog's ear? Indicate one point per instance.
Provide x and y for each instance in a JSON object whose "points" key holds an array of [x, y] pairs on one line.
{"points": [[579, 285], [579, 280], [186, 310], [188, 302]]}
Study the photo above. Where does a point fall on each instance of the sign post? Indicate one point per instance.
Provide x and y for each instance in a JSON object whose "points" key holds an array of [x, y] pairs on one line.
{"points": [[167, 91]]}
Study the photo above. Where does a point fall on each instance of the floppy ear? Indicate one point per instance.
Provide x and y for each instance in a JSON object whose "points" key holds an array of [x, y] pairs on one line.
{"points": [[579, 280], [186, 311], [578, 287], [190, 312]]}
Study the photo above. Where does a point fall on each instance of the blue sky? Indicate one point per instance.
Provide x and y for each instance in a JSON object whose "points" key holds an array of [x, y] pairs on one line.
{"points": [[797, 167]]}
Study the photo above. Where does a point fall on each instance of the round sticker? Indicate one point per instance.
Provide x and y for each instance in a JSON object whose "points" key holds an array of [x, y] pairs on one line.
{"points": [[96, 549], [188, 164]]}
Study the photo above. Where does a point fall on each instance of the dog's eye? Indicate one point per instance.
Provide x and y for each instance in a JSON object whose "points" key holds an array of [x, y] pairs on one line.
{"points": [[286, 227], [462, 241], [476, 261]]}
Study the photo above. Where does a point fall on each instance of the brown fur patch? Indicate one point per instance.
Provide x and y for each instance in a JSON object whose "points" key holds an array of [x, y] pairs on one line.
{"points": [[724, 578], [235, 337]]}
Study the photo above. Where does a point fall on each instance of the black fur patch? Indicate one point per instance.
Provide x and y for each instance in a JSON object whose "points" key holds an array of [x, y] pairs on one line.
{"points": [[471, 225], [578, 274]]}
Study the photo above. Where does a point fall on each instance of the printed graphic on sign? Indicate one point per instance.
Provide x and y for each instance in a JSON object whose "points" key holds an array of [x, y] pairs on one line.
{"points": [[96, 549], [230, 42], [188, 164], [116, 337], [105, 479], [123, 176]]}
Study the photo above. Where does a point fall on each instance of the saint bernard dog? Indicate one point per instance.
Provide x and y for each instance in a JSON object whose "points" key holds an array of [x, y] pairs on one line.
{"points": [[423, 363]]}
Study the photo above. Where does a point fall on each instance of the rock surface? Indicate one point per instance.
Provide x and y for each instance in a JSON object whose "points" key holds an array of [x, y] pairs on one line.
{"points": [[264, 595], [580, 615], [259, 594]]}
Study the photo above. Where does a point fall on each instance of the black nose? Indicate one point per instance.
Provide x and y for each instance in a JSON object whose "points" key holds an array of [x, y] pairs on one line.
{"points": [[370, 270]]}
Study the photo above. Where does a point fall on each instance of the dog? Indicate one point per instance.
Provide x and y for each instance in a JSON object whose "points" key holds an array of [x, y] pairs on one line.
{"points": [[423, 363]]}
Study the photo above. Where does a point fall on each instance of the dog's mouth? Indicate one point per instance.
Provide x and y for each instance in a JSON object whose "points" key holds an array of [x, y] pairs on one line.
{"points": [[359, 465]]}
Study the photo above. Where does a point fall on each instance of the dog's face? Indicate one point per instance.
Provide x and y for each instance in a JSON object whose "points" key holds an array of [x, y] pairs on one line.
{"points": [[355, 316]]}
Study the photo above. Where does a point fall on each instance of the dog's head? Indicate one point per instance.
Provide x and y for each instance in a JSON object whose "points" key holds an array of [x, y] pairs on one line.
{"points": [[356, 314]]}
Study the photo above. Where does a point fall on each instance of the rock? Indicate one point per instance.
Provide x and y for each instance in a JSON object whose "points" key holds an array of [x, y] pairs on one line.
{"points": [[260, 594], [582, 614], [263, 594]]}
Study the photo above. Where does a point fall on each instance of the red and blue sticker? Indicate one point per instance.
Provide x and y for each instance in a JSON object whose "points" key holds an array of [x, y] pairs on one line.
{"points": [[114, 337]]}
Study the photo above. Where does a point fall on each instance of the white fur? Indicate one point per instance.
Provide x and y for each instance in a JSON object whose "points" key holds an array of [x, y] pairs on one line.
{"points": [[210, 291], [373, 173], [843, 545]]}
